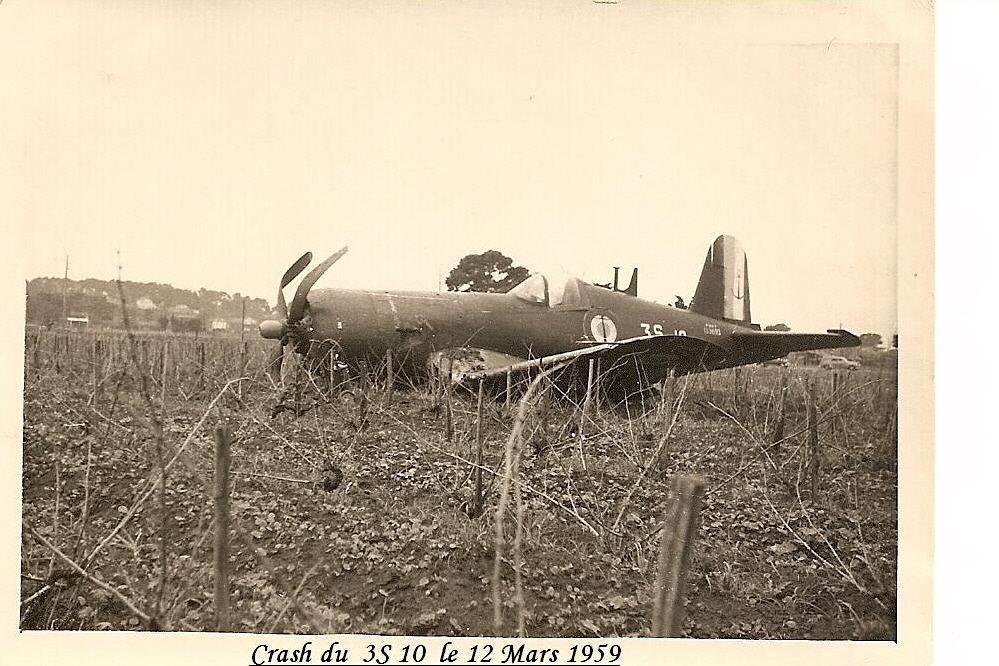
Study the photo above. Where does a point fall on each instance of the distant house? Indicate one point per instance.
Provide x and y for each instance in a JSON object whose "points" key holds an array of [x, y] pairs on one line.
{"points": [[249, 324], [145, 303], [218, 326], [78, 320], [183, 319]]}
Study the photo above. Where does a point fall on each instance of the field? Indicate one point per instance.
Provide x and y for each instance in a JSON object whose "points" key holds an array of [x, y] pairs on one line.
{"points": [[357, 512]]}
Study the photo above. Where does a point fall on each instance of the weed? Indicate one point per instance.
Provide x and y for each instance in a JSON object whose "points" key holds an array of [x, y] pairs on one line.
{"points": [[353, 508]]}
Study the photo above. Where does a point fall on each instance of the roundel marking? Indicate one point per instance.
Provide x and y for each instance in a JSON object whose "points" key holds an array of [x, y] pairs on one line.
{"points": [[603, 328]]}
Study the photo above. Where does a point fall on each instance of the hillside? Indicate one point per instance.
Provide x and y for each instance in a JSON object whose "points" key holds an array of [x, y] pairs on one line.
{"points": [[150, 304]]}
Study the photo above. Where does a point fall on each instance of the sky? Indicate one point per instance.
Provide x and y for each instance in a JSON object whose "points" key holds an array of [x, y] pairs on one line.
{"points": [[210, 144]]}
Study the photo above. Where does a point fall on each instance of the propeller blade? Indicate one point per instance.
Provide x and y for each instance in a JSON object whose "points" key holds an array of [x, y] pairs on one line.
{"points": [[295, 269], [297, 310], [282, 306], [286, 279]]}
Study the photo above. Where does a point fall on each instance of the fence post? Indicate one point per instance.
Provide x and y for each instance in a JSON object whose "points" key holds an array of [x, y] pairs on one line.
{"points": [[93, 371], [782, 413], [222, 529], [448, 414], [813, 443], [201, 366], [736, 389], [587, 399], [477, 507], [597, 376], [244, 349], [668, 400], [164, 375], [389, 374], [682, 511], [509, 387]]}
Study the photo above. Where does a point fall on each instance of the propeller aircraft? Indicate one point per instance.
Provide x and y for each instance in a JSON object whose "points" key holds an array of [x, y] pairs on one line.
{"points": [[536, 325]]}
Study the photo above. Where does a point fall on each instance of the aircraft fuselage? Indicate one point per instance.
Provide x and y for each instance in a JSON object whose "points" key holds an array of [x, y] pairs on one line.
{"points": [[366, 324]]}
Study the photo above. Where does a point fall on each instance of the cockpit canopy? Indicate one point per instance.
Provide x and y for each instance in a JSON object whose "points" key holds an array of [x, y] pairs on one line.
{"points": [[555, 293]]}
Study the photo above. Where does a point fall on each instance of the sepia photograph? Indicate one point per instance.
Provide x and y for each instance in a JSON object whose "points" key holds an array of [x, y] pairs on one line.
{"points": [[457, 332]]}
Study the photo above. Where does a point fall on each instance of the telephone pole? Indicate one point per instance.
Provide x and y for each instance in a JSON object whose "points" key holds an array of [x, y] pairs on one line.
{"points": [[65, 291]]}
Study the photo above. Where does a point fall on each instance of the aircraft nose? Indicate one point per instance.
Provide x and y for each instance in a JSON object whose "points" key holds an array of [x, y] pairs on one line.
{"points": [[272, 329]]}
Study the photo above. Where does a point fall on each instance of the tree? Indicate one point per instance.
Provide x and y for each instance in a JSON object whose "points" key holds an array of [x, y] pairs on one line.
{"points": [[491, 271], [777, 327], [870, 340]]}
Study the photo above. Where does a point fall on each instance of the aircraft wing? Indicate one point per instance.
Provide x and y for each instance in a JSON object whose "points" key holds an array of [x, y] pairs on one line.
{"points": [[508, 364], [758, 346], [650, 358]]}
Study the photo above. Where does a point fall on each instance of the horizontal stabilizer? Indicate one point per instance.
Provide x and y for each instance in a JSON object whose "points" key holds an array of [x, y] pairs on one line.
{"points": [[757, 346]]}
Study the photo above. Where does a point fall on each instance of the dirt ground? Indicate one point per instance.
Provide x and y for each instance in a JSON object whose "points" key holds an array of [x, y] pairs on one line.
{"points": [[359, 514]]}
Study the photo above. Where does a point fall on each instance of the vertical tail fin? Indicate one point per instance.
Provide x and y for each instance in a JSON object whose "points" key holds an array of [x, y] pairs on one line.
{"points": [[723, 290], [632, 288]]}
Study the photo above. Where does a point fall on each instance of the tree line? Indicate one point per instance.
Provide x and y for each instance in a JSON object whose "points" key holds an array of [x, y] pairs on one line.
{"points": [[48, 300]]}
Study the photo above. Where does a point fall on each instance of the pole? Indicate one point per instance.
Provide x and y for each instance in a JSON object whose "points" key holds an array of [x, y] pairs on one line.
{"points": [[509, 387], [242, 348], [478, 453], [588, 398], [813, 443], [682, 510], [449, 416], [222, 529], [389, 373], [65, 291]]}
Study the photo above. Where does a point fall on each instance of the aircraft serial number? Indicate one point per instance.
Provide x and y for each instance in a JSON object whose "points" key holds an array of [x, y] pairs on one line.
{"points": [[657, 329], [712, 329]]}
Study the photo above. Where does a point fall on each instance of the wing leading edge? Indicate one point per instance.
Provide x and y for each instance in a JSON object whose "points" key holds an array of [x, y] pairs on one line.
{"points": [[647, 358]]}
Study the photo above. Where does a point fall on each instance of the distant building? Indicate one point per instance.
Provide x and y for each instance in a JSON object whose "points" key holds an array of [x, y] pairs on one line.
{"points": [[184, 319], [249, 324], [218, 326], [78, 320], [145, 303]]}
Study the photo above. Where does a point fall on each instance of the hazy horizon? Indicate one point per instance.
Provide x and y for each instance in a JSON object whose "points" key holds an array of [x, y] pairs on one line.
{"points": [[210, 145]]}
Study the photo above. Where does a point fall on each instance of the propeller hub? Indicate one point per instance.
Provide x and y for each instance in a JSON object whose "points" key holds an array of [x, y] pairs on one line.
{"points": [[273, 329]]}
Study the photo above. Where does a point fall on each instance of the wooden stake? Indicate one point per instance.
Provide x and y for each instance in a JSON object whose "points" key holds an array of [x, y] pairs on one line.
{"points": [[813, 444], [509, 387], [389, 373], [222, 529], [682, 511], [448, 415], [93, 372], [478, 507], [587, 399], [782, 415], [165, 374], [201, 366], [669, 397], [596, 383], [736, 376]]}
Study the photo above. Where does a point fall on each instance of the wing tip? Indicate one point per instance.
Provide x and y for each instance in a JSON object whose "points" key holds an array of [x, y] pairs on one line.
{"points": [[849, 338]]}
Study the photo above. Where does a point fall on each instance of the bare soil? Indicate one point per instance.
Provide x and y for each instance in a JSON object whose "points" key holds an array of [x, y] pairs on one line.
{"points": [[361, 511]]}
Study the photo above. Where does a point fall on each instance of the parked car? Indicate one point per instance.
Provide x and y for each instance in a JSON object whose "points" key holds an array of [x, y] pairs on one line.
{"points": [[838, 363]]}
